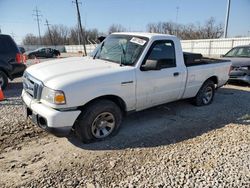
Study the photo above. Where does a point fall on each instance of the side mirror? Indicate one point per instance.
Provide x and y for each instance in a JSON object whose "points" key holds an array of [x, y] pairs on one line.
{"points": [[151, 65], [222, 55]]}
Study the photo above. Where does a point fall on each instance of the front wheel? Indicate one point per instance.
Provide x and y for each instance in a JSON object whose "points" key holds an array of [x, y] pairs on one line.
{"points": [[100, 120], [3, 80], [205, 95]]}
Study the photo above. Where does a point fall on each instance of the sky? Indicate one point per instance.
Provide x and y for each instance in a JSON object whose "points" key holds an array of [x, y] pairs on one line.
{"points": [[16, 15]]}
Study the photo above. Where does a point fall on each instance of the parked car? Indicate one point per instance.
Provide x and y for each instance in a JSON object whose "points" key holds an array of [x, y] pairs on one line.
{"points": [[129, 72], [11, 60], [43, 52], [22, 50], [240, 57]]}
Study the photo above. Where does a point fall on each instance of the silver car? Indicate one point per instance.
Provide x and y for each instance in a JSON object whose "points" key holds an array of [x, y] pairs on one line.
{"points": [[240, 57]]}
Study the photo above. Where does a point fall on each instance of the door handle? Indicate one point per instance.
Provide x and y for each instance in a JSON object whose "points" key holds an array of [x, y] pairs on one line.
{"points": [[176, 74]]}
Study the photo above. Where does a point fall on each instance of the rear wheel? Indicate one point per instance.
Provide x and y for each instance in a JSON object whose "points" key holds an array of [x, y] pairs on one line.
{"points": [[205, 95], [3, 80], [100, 120]]}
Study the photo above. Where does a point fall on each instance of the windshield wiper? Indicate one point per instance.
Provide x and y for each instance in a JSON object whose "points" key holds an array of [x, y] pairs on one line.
{"points": [[98, 51]]}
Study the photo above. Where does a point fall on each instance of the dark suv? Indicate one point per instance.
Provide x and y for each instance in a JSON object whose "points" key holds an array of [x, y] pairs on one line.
{"points": [[11, 60]]}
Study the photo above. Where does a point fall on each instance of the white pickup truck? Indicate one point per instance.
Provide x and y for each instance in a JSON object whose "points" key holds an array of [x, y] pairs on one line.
{"points": [[127, 72]]}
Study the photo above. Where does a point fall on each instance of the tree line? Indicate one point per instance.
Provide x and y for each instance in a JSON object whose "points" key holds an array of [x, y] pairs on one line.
{"points": [[63, 35]]}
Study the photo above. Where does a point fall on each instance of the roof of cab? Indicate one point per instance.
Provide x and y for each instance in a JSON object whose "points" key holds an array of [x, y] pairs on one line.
{"points": [[140, 34]]}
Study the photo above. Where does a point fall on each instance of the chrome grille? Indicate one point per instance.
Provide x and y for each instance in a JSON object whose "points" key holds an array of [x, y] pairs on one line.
{"points": [[32, 86]]}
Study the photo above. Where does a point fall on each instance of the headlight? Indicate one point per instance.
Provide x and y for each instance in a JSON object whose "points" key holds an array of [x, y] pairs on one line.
{"points": [[53, 96]]}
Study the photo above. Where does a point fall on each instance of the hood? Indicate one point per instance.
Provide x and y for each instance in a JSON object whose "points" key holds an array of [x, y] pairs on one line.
{"points": [[58, 73], [239, 61]]}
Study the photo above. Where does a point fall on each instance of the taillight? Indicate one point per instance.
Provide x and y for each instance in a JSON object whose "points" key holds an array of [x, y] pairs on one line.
{"points": [[19, 58], [24, 58]]}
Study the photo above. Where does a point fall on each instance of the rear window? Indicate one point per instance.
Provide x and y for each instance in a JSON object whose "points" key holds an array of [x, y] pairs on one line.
{"points": [[7, 45]]}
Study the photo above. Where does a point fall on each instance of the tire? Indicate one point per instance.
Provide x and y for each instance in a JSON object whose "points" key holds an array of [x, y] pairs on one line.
{"points": [[3, 80], [100, 120], [54, 55], [205, 95]]}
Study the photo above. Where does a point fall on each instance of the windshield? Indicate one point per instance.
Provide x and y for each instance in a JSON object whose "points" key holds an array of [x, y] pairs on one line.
{"points": [[239, 52], [122, 49]]}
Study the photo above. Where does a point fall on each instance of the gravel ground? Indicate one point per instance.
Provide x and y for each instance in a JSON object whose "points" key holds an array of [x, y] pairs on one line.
{"points": [[173, 145]]}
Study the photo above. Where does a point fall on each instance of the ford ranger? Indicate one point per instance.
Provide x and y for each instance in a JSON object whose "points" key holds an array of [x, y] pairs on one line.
{"points": [[127, 72]]}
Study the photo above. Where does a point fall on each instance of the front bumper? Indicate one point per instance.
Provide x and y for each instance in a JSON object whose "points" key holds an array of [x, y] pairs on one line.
{"points": [[49, 119], [17, 70]]}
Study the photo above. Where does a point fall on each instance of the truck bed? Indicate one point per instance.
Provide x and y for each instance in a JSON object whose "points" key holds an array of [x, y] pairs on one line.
{"points": [[194, 59]]}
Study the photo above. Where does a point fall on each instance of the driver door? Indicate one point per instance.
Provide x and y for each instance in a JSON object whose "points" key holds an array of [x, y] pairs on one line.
{"points": [[156, 87]]}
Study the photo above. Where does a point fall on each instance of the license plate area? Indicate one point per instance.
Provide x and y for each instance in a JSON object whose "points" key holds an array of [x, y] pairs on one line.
{"points": [[27, 113]]}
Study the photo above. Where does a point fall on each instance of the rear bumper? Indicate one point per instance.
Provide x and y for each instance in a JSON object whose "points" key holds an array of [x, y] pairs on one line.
{"points": [[54, 121], [17, 70]]}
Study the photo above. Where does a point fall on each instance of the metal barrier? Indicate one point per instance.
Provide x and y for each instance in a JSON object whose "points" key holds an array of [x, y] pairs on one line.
{"points": [[79, 48], [213, 47]]}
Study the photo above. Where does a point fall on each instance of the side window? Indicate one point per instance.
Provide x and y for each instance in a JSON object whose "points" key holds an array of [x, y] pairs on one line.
{"points": [[163, 51]]}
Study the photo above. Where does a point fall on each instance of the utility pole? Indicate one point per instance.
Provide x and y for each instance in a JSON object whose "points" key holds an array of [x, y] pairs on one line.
{"points": [[50, 36], [80, 26], [78, 33], [227, 18], [38, 15], [177, 14], [176, 21]]}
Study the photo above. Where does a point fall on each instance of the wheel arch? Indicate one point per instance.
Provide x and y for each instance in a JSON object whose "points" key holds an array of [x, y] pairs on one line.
{"points": [[5, 72], [114, 98], [214, 79]]}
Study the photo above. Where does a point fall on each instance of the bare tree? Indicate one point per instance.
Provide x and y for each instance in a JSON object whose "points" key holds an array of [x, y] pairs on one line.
{"points": [[191, 31], [91, 35], [116, 28], [30, 39], [211, 30]]}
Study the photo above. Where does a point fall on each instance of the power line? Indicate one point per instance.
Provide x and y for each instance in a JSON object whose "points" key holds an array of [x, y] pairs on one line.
{"points": [[50, 36], [38, 15], [80, 26]]}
